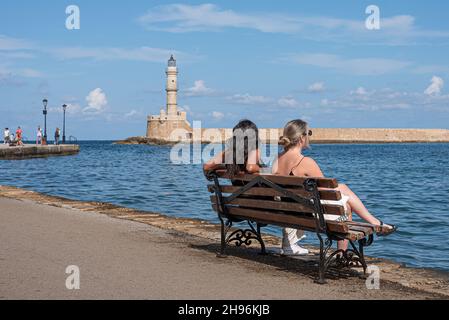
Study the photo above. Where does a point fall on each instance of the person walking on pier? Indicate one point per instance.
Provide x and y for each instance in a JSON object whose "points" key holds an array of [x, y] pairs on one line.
{"points": [[6, 136], [39, 135], [19, 136], [57, 135]]}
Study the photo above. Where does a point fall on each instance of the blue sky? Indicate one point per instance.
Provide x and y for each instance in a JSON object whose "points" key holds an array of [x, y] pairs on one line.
{"points": [[270, 61]]}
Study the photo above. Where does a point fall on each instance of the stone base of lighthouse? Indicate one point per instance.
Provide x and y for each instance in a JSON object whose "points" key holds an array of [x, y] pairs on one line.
{"points": [[170, 128]]}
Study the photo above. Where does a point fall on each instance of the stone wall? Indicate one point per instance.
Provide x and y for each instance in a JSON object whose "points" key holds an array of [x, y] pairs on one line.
{"points": [[352, 135], [177, 130]]}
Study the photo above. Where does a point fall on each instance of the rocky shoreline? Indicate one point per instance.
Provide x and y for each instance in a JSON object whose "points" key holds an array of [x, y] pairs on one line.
{"points": [[427, 280], [144, 140]]}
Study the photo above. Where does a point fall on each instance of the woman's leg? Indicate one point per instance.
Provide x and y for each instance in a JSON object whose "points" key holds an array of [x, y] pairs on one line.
{"points": [[343, 244], [357, 206]]}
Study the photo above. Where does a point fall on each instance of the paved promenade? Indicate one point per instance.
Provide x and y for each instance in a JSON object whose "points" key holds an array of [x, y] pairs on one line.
{"points": [[125, 259]]}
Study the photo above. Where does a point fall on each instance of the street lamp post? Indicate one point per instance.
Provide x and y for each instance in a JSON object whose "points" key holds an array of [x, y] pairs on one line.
{"points": [[64, 106], [45, 102]]}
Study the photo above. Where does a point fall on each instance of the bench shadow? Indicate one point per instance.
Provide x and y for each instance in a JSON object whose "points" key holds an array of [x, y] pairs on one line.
{"points": [[303, 265]]}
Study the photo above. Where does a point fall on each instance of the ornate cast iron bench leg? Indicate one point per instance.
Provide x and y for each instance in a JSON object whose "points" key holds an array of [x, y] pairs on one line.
{"points": [[262, 244], [324, 262], [246, 237], [364, 243], [222, 253]]}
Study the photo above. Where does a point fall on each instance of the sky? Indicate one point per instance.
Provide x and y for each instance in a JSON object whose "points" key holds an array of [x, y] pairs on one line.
{"points": [[269, 61]]}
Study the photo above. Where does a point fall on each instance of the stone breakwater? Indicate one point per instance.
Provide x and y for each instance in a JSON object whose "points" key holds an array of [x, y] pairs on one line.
{"points": [[36, 151], [423, 280], [380, 135], [320, 136]]}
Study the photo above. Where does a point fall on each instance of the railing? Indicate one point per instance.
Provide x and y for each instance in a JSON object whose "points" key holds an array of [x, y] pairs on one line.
{"points": [[73, 139]]}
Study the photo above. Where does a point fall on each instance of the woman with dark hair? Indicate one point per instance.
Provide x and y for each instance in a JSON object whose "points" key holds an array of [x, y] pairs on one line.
{"points": [[242, 151]]}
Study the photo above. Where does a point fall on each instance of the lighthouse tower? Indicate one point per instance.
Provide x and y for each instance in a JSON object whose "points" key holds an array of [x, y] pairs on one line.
{"points": [[164, 126], [172, 87]]}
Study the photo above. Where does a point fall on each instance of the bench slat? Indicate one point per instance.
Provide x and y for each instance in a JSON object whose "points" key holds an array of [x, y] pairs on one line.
{"points": [[283, 219], [282, 180], [353, 235], [334, 195], [281, 206]]}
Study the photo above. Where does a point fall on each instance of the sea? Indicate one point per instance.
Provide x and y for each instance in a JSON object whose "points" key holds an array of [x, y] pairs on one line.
{"points": [[402, 184]]}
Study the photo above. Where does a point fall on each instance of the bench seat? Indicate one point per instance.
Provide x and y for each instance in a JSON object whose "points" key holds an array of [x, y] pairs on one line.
{"points": [[291, 202]]}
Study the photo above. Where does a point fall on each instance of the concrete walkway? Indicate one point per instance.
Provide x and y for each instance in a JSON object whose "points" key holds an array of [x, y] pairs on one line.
{"points": [[130, 260], [37, 151]]}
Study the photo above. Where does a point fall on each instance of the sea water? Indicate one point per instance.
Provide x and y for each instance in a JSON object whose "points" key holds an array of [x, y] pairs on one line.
{"points": [[402, 184]]}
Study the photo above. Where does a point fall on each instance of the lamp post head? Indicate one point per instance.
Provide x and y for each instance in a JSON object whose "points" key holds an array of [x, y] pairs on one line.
{"points": [[64, 106], [45, 102]]}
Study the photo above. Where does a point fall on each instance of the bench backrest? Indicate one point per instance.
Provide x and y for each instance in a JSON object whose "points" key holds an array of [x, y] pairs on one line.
{"points": [[282, 200]]}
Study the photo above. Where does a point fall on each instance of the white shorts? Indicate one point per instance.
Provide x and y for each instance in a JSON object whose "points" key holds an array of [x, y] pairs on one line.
{"points": [[342, 202]]}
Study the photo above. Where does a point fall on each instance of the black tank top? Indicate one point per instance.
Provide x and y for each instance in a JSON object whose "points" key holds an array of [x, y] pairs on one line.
{"points": [[291, 171]]}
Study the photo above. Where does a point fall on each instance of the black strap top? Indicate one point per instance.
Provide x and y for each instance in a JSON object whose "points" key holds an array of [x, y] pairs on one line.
{"points": [[291, 171]]}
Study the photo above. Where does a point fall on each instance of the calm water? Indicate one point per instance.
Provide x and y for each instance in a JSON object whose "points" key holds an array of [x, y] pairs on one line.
{"points": [[407, 185]]}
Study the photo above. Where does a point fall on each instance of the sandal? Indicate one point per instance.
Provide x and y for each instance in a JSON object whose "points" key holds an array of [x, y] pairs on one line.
{"points": [[390, 231]]}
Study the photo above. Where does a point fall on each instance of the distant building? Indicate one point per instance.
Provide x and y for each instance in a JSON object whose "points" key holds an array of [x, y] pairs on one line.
{"points": [[164, 126]]}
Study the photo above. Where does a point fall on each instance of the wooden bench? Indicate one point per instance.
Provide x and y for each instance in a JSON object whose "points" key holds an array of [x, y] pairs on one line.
{"points": [[287, 201]]}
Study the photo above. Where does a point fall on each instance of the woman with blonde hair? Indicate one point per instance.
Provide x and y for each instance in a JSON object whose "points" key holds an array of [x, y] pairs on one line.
{"points": [[292, 162]]}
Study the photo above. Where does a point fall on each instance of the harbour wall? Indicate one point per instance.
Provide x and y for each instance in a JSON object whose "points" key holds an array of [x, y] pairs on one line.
{"points": [[37, 151]]}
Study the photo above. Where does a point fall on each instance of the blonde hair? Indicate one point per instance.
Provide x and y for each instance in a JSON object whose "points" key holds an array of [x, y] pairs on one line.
{"points": [[293, 133]]}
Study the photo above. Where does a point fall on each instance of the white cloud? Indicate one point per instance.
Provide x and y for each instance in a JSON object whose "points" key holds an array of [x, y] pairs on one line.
{"points": [[249, 99], [96, 102], [435, 87], [132, 113], [316, 87], [145, 54], [362, 99], [218, 115], [199, 89], [29, 73], [9, 79], [360, 91], [72, 108], [288, 102], [209, 17], [358, 66], [395, 30], [8, 43]]}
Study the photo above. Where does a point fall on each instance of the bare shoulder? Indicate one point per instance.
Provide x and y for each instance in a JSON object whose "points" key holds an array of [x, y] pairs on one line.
{"points": [[312, 168], [310, 161]]}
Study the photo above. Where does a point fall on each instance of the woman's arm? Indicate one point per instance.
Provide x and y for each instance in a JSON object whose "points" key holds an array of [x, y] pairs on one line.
{"points": [[214, 163], [252, 166]]}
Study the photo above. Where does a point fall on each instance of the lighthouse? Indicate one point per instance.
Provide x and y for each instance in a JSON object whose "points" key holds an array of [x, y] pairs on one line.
{"points": [[170, 124], [172, 87]]}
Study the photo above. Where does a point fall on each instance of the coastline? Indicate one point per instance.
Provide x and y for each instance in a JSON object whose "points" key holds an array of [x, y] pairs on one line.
{"points": [[427, 281], [162, 142]]}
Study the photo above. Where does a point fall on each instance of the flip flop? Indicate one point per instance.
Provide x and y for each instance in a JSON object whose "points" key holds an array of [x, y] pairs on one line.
{"points": [[390, 231]]}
